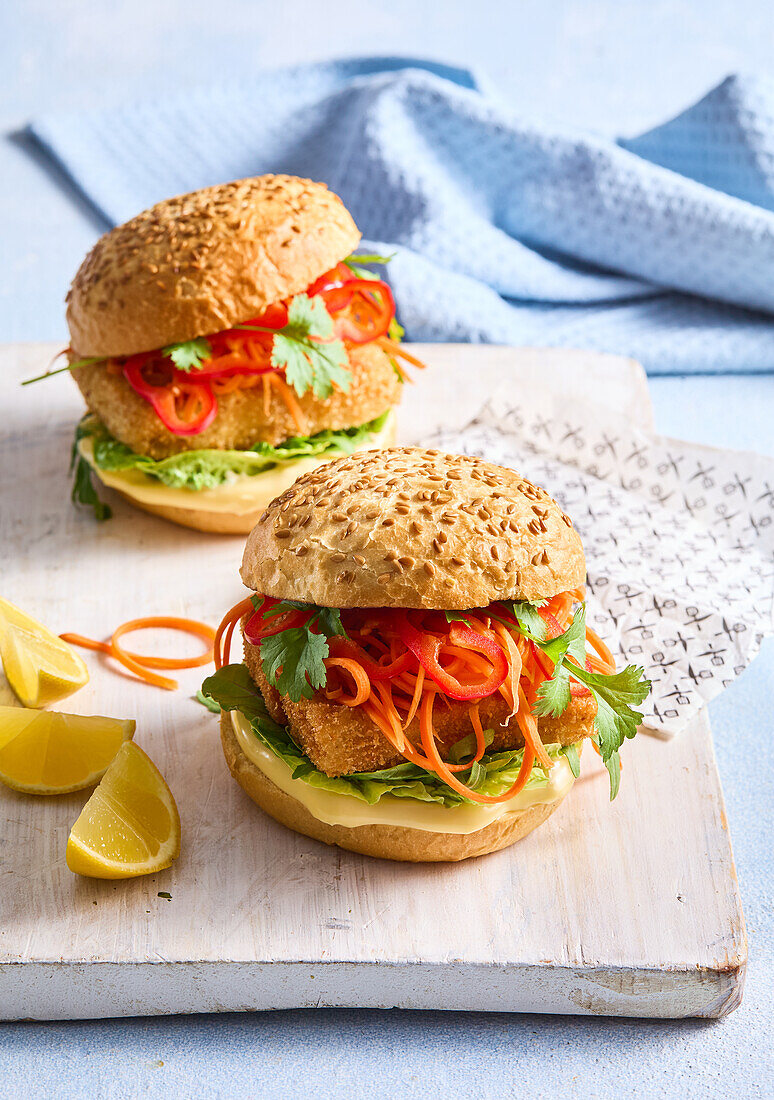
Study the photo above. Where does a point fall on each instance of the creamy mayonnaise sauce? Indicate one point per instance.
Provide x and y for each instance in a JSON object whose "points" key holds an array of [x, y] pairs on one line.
{"points": [[339, 809]]}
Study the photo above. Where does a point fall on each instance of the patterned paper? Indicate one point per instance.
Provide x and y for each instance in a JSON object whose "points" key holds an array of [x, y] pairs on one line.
{"points": [[679, 539]]}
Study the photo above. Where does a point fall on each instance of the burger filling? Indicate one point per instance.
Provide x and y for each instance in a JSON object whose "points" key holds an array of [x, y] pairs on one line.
{"points": [[456, 707], [210, 468], [293, 347]]}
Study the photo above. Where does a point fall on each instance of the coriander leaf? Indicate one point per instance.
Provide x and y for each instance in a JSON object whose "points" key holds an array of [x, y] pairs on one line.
{"points": [[553, 696], [530, 623], [572, 643], [329, 621], [189, 355], [306, 351], [354, 262], [613, 765], [83, 491], [60, 370], [205, 701], [570, 752], [396, 331], [293, 662], [616, 696], [282, 607]]}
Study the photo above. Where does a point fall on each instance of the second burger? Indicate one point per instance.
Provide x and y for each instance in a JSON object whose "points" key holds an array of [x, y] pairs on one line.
{"points": [[225, 342]]}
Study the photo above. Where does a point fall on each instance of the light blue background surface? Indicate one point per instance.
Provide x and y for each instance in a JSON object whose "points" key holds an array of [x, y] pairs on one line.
{"points": [[617, 66]]}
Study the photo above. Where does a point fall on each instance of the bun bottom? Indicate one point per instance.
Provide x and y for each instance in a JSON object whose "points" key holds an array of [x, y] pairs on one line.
{"points": [[217, 523], [382, 841]]}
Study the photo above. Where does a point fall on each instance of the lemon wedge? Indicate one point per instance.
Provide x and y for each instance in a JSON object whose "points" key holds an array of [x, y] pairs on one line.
{"points": [[41, 668], [42, 752], [130, 826]]}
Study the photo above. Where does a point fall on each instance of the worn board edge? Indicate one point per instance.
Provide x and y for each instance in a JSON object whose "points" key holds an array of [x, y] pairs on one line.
{"points": [[103, 990]]}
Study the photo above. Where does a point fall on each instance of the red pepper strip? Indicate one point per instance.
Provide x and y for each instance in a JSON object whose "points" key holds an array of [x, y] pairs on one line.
{"points": [[273, 317], [576, 688], [361, 308], [212, 369], [335, 277], [257, 627], [368, 314], [426, 648], [345, 647], [553, 627], [170, 397]]}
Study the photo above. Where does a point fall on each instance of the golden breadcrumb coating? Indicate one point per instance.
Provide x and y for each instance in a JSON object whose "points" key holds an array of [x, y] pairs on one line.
{"points": [[243, 417], [342, 740]]}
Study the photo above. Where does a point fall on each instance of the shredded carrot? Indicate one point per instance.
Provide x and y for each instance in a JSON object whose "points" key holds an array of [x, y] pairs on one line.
{"points": [[608, 660], [528, 727], [392, 347], [289, 397], [141, 664], [221, 645], [374, 669], [358, 674], [475, 721]]}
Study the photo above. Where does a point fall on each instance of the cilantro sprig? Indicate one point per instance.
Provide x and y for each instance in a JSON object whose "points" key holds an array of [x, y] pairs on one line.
{"points": [[354, 263], [306, 350], [293, 661], [83, 491], [190, 354], [616, 694], [88, 362]]}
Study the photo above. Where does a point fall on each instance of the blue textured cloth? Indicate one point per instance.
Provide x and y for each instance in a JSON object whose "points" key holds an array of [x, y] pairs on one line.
{"points": [[506, 230]]}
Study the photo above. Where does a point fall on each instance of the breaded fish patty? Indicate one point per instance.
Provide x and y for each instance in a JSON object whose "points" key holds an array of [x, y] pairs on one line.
{"points": [[243, 417], [342, 740]]}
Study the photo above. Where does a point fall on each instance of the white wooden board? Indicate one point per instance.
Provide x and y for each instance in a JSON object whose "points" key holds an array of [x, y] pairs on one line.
{"points": [[623, 909]]}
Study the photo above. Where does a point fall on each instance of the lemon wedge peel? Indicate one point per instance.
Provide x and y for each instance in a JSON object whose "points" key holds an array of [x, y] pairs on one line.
{"points": [[45, 752], [130, 826], [41, 668]]}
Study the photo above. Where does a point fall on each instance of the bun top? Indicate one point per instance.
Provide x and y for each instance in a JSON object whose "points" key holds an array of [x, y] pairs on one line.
{"points": [[413, 528], [203, 262]]}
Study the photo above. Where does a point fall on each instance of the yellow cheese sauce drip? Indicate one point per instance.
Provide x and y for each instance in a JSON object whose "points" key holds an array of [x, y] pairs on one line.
{"points": [[339, 809], [243, 494]]}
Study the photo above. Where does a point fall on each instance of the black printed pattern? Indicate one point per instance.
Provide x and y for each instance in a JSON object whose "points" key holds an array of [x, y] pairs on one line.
{"points": [[679, 540]]}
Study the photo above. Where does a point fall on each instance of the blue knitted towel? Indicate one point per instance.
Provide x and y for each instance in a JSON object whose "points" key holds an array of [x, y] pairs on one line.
{"points": [[660, 247]]}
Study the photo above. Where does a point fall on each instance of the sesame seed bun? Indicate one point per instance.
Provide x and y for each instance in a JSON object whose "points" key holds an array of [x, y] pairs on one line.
{"points": [[383, 841], [203, 262], [408, 527]]}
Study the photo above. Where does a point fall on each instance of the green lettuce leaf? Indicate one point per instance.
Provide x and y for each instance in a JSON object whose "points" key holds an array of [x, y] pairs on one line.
{"points": [[206, 469], [232, 688]]}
